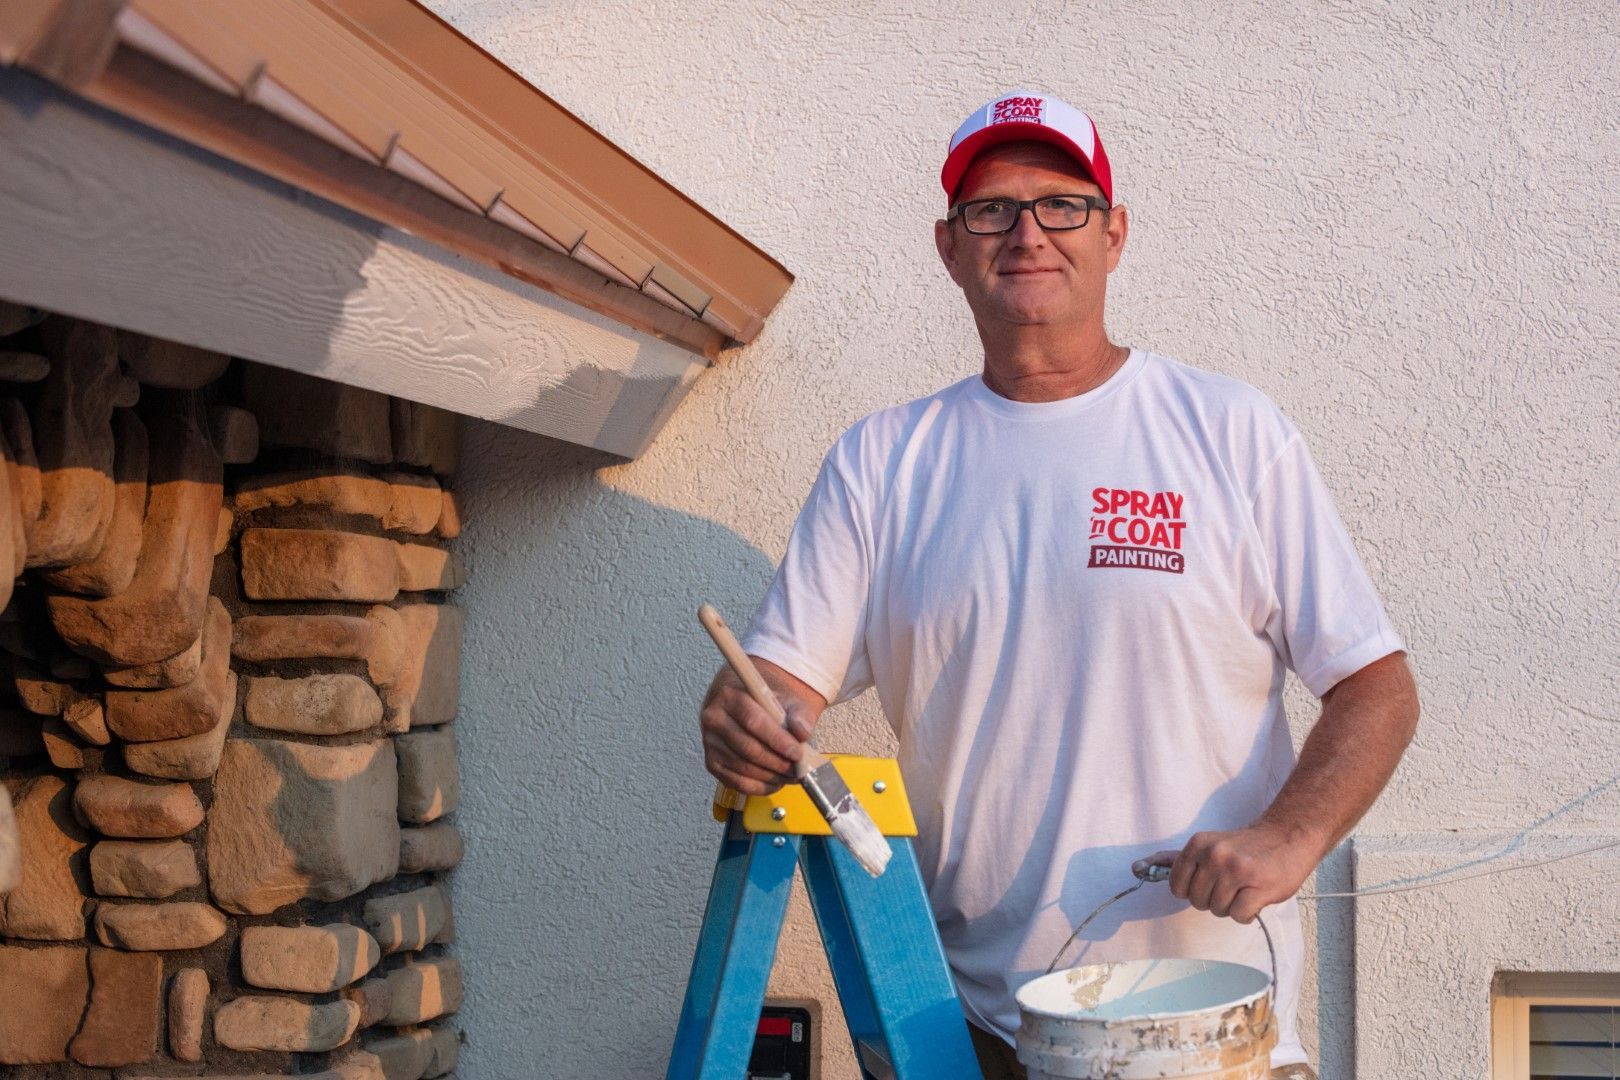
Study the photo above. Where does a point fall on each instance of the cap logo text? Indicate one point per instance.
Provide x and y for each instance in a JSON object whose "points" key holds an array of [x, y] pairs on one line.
{"points": [[1022, 110]]}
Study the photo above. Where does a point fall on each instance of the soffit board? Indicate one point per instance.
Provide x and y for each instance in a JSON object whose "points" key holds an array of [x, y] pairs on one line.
{"points": [[107, 220], [389, 82], [153, 93], [392, 74]]}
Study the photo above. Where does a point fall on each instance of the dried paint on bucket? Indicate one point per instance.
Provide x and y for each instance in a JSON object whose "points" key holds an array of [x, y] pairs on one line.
{"points": [[1148, 1019]]}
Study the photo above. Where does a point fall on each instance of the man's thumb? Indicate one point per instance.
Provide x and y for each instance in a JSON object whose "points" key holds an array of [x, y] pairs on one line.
{"points": [[796, 723]]}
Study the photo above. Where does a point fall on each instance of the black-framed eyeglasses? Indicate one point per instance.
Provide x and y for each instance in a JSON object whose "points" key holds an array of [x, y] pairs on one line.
{"points": [[1055, 213]]}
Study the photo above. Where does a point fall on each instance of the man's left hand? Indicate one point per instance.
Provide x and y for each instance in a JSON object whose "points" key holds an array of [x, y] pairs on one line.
{"points": [[1240, 872]]}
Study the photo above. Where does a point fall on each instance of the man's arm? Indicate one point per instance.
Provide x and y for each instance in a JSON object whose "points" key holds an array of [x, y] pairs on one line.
{"points": [[742, 746], [1367, 721]]}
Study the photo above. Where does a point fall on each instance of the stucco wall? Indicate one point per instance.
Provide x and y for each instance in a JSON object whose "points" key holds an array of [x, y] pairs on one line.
{"points": [[1397, 220], [1425, 960]]}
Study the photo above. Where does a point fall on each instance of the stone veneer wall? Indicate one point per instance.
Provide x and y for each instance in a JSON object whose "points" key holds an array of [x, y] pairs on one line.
{"points": [[226, 681]]}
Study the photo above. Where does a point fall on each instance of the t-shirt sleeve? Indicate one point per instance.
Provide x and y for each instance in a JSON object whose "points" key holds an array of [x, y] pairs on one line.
{"points": [[1327, 622], [812, 621]]}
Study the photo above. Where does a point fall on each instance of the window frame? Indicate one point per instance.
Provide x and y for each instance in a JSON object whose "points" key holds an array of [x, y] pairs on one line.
{"points": [[1512, 995]]}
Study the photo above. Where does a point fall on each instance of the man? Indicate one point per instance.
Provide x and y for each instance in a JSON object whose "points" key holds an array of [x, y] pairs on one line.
{"points": [[1076, 581]]}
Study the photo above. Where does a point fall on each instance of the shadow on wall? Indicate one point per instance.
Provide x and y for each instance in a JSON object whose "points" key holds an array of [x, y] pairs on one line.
{"points": [[585, 804]]}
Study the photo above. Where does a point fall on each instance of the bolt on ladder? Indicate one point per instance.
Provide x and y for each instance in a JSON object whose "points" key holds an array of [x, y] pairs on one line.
{"points": [[882, 945]]}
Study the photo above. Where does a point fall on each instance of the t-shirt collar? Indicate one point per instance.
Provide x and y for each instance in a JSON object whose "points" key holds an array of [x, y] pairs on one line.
{"points": [[1063, 407]]}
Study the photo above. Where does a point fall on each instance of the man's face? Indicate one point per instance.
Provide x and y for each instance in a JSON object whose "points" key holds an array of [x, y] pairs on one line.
{"points": [[1030, 276]]}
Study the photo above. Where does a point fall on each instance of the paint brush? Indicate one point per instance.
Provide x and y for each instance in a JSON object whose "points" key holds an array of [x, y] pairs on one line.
{"points": [[850, 822]]}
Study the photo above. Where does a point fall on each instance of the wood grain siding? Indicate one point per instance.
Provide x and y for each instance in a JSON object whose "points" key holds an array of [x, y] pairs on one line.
{"points": [[107, 220], [149, 91], [386, 70], [380, 105]]}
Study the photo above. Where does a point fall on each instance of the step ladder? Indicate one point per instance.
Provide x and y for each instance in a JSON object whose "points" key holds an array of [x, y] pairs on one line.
{"points": [[882, 945]]}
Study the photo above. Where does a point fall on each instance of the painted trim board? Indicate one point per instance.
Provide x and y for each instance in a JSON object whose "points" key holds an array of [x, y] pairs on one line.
{"points": [[391, 70], [105, 219], [149, 92]]}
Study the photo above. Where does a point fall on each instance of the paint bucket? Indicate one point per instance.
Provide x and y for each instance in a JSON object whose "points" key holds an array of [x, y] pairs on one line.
{"points": [[1141, 1019]]}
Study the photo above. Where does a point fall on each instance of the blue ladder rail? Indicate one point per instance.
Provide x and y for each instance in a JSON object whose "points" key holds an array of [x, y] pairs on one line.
{"points": [[882, 946]]}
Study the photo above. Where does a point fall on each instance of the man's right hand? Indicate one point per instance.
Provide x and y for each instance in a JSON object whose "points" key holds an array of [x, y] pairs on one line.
{"points": [[744, 747]]}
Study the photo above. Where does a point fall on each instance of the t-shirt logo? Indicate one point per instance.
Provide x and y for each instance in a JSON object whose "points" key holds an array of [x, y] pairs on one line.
{"points": [[1140, 530], [1020, 110]]}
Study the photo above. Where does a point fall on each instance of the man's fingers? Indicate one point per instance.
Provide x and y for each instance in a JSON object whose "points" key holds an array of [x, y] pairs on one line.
{"points": [[764, 727], [1162, 860], [757, 753], [1193, 875], [737, 749], [720, 757], [1181, 872], [1246, 905], [1214, 874], [744, 784], [733, 731], [1201, 887], [797, 726], [744, 746], [1221, 896], [738, 773]]}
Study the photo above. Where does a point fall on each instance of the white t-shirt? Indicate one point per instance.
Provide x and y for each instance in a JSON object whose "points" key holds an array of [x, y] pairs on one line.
{"points": [[1077, 615]]}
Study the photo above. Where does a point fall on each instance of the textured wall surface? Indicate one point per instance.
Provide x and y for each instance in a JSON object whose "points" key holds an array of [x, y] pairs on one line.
{"points": [[1425, 960], [1397, 220]]}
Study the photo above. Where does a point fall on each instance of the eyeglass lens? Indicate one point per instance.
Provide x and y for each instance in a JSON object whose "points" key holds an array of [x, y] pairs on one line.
{"points": [[1000, 215]]}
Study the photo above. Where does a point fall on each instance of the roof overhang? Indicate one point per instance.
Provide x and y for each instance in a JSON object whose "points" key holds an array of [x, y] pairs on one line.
{"points": [[382, 109]]}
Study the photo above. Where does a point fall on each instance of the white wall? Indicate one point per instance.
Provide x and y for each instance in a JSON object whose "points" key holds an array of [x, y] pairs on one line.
{"points": [[1398, 220]]}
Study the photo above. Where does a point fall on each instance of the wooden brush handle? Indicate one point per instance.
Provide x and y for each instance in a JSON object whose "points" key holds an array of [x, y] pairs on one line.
{"points": [[741, 662], [752, 680]]}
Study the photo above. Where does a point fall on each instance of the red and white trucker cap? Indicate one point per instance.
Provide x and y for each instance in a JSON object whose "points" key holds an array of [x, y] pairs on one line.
{"points": [[1024, 115]]}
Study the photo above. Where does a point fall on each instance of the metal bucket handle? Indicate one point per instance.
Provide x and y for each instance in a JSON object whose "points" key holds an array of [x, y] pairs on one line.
{"points": [[1146, 872]]}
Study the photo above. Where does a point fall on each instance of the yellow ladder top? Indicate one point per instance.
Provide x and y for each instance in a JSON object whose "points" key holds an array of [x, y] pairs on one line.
{"points": [[876, 782]]}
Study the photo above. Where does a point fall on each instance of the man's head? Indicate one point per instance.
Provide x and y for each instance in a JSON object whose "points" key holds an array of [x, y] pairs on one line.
{"points": [[1030, 274]]}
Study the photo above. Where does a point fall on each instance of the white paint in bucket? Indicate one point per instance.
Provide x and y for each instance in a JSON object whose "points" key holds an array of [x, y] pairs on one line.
{"points": [[1148, 1020]]}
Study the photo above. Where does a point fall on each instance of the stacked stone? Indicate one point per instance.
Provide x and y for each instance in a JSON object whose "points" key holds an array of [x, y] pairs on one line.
{"points": [[225, 731]]}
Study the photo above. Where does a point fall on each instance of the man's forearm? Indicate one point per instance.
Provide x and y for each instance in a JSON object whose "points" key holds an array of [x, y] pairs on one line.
{"points": [[1367, 721]]}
